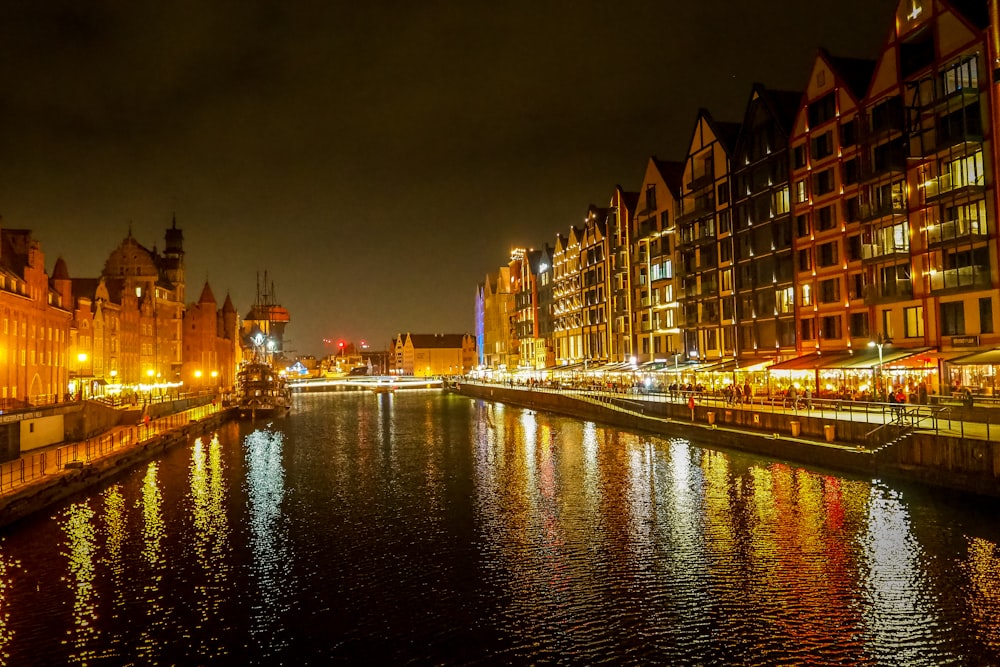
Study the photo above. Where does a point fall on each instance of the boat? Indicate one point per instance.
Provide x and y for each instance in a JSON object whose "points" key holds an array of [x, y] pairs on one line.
{"points": [[262, 392]]}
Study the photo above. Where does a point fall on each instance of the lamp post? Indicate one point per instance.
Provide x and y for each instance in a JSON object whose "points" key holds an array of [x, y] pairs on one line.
{"points": [[879, 344], [82, 358]]}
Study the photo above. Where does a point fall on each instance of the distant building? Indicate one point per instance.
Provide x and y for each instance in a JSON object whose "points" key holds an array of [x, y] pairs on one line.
{"points": [[35, 328], [211, 342], [427, 355]]}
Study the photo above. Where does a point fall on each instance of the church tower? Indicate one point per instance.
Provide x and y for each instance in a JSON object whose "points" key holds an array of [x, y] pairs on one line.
{"points": [[173, 258]]}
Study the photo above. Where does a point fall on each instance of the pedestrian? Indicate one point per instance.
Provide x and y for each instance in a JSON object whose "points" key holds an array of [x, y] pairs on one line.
{"points": [[809, 398], [793, 397], [922, 393], [691, 405], [747, 392]]}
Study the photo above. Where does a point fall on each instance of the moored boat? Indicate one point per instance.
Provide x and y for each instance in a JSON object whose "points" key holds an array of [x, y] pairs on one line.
{"points": [[262, 392]]}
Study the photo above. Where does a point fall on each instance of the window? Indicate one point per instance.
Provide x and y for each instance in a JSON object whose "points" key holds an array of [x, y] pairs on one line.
{"points": [[799, 156], [802, 226], [801, 194], [830, 327], [827, 254], [822, 146], [913, 322], [651, 198], [807, 299], [825, 218], [724, 225], [780, 204], [829, 290], [805, 260], [849, 133], [822, 110], [723, 196], [859, 325], [986, 315], [785, 300], [961, 75], [851, 173], [823, 182], [854, 247], [953, 318], [807, 330]]}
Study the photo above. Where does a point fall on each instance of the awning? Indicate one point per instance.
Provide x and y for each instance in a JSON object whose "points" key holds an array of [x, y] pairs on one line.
{"points": [[868, 358], [730, 365], [987, 358], [653, 365], [566, 367], [619, 367], [811, 361]]}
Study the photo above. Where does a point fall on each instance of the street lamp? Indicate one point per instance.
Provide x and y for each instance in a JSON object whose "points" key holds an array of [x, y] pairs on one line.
{"points": [[879, 344], [82, 358]]}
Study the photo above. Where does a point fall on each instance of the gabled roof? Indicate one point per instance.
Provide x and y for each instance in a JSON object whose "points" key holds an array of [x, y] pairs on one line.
{"points": [[672, 174], [228, 306], [975, 12], [856, 73], [781, 105], [436, 341]]}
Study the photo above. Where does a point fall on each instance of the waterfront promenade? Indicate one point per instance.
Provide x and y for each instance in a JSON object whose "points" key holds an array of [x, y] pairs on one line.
{"points": [[951, 446], [66, 464]]}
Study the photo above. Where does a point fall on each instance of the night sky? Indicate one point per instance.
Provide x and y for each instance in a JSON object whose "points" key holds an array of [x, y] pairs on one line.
{"points": [[377, 159]]}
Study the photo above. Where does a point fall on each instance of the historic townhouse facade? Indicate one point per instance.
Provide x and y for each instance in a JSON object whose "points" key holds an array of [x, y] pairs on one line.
{"points": [[654, 313], [36, 325], [826, 164], [567, 316], [595, 286], [620, 254], [532, 302], [758, 284], [703, 228], [497, 310]]}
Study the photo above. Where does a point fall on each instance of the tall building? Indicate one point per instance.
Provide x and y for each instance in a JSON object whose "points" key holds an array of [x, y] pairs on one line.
{"points": [[826, 159], [567, 313], [155, 281], [621, 343], [34, 363], [654, 312], [595, 282], [704, 230], [928, 190], [757, 275]]}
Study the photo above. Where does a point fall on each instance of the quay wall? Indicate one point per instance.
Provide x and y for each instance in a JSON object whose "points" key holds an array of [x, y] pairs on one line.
{"points": [[959, 464], [59, 486]]}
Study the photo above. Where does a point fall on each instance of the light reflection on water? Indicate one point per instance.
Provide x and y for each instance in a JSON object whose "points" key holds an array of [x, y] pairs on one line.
{"points": [[432, 529]]}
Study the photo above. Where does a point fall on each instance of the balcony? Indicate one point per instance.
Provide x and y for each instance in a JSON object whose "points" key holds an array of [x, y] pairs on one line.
{"points": [[891, 291], [876, 252], [948, 184], [958, 99], [956, 230], [701, 181], [701, 207], [875, 210], [967, 277]]}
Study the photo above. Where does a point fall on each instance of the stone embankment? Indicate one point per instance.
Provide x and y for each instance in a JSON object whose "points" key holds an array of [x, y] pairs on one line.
{"points": [[64, 476], [936, 458]]}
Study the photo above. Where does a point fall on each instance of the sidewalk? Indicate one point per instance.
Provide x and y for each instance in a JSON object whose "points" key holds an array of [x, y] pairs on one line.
{"points": [[47, 462]]}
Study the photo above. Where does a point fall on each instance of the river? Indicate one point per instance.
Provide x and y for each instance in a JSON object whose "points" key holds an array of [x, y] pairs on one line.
{"points": [[429, 528]]}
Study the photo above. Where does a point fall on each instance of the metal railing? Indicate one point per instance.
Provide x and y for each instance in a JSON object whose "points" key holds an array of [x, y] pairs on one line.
{"points": [[51, 461], [910, 418]]}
